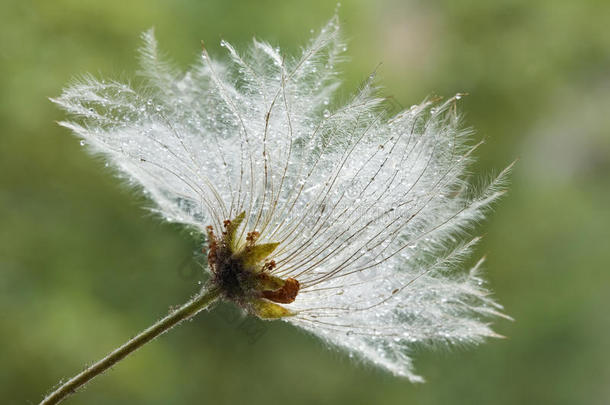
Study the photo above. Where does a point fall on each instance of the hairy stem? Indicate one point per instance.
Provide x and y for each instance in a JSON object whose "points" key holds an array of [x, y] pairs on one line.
{"points": [[188, 310]]}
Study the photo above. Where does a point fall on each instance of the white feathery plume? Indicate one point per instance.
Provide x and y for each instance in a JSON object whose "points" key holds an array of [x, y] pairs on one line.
{"points": [[368, 211]]}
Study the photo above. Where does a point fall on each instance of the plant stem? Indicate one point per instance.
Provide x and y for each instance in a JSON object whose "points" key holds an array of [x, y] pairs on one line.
{"points": [[188, 310]]}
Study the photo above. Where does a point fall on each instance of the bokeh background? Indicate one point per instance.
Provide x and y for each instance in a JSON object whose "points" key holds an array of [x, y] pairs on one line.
{"points": [[83, 266]]}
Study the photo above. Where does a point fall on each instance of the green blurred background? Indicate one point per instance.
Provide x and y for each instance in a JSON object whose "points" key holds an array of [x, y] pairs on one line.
{"points": [[83, 267]]}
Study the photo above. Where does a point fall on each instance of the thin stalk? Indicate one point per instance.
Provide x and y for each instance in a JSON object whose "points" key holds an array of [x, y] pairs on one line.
{"points": [[188, 310]]}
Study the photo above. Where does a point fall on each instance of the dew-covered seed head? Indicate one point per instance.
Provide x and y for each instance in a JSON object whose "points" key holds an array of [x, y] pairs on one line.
{"points": [[343, 218]]}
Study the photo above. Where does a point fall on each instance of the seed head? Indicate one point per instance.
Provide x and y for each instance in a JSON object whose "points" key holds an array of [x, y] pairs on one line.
{"points": [[339, 217]]}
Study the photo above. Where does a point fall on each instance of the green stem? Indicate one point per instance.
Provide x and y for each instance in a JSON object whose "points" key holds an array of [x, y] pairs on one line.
{"points": [[188, 310]]}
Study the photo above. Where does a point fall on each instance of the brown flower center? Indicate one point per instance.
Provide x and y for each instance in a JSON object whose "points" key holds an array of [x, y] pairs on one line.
{"points": [[242, 271]]}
